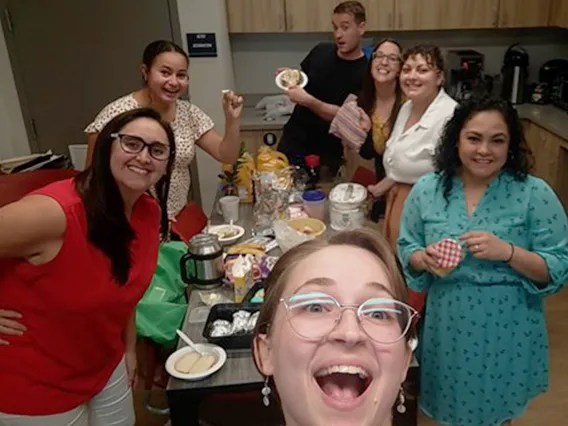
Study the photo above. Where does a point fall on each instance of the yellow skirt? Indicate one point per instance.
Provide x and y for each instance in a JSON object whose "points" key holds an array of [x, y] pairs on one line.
{"points": [[393, 212], [391, 228]]}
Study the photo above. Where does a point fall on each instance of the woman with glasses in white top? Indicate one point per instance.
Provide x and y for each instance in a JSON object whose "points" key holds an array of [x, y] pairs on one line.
{"points": [[334, 338], [415, 135]]}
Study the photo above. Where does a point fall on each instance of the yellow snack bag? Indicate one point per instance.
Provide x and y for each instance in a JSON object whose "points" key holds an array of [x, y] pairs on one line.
{"points": [[242, 277], [238, 178]]}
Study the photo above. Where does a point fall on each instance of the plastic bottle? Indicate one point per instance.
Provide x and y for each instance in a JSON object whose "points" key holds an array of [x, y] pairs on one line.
{"points": [[313, 168]]}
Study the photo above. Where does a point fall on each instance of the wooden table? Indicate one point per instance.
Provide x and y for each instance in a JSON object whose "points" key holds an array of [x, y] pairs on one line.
{"points": [[239, 372]]}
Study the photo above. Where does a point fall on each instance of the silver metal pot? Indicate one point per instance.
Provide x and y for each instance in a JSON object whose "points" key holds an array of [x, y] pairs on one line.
{"points": [[206, 255]]}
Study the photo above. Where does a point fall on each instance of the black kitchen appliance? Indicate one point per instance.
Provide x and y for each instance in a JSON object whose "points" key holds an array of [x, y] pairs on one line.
{"points": [[465, 74], [515, 72], [550, 80], [559, 96], [555, 74]]}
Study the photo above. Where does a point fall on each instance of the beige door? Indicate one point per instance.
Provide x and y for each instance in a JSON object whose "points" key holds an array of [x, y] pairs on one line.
{"points": [[72, 57], [446, 14]]}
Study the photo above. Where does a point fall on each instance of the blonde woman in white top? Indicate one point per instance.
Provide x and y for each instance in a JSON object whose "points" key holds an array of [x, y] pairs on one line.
{"points": [[415, 135], [165, 73]]}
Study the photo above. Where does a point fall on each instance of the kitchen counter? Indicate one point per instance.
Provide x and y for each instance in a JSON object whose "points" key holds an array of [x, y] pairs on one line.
{"points": [[548, 117], [252, 119]]}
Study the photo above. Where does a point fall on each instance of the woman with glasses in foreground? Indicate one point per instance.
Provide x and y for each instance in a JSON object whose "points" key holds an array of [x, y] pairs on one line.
{"points": [[75, 258], [334, 338]]}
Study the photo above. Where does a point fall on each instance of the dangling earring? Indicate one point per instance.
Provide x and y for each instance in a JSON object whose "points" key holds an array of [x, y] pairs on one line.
{"points": [[265, 391], [401, 400]]}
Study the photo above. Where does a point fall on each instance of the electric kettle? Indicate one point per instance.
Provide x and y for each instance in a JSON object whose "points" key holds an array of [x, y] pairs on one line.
{"points": [[205, 258]]}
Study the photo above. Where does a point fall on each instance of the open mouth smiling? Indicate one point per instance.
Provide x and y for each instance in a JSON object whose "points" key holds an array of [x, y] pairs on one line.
{"points": [[343, 386]]}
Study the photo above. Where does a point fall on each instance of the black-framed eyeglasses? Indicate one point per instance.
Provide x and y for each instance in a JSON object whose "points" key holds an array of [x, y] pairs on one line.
{"points": [[135, 144], [391, 58], [314, 315]]}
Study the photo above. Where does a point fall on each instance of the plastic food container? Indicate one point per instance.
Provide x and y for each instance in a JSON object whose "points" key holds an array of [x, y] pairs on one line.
{"points": [[347, 208], [314, 204], [225, 311]]}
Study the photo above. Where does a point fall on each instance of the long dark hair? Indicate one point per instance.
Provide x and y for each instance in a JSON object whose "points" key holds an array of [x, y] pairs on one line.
{"points": [[367, 99], [447, 161], [108, 226]]}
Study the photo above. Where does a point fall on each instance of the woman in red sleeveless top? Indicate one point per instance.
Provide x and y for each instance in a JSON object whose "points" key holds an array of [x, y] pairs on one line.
{"points": [[75, 258]]}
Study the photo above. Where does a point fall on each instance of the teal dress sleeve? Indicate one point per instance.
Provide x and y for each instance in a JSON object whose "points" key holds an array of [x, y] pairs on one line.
{"points": [[548, 237], [411, 237]]}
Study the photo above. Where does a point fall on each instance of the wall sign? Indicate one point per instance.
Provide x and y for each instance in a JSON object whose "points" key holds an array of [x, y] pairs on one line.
{"points": [[202, 45]]}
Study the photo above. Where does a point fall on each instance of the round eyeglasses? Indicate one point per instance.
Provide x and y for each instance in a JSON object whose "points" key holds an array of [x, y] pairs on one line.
{"points": [[134, 145], [314, 315], [391, 58]]}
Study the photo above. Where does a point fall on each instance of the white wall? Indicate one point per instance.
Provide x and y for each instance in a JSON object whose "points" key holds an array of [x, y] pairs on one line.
{"points": [[13, 138], [257, 56], [208, 77]]}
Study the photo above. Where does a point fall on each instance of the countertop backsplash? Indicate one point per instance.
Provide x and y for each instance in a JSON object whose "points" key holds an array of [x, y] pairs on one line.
{"points": [[257, 56], [548, 117]]}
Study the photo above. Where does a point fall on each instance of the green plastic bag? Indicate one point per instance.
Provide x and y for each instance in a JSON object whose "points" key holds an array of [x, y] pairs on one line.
{"points": [[162, 309]]}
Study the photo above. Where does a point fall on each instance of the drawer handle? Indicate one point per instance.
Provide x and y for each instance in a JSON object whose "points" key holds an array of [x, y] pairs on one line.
{"points": [[269, 139]]}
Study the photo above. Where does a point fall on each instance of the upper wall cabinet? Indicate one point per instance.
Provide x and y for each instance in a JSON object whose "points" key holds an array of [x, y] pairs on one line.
{"points": [[559, 13], [300, 16], [523, 13], [445, 14], [304, 16], [256, 16], [380, 14]]}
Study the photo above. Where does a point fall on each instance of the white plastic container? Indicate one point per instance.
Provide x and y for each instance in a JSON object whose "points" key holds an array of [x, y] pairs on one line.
{"points": [[314, 204], [78, 154], [347, 206]]}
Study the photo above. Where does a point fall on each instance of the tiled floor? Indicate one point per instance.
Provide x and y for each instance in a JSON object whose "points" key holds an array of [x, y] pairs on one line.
{"points": [[550, 409]]}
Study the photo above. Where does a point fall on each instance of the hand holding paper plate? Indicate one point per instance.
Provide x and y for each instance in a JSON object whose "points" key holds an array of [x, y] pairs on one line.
{"points": [[291, 77]]}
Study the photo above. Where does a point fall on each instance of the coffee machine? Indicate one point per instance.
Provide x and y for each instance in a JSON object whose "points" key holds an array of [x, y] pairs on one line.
{"points": [[465, 74], [515, 72], [551, 76]]}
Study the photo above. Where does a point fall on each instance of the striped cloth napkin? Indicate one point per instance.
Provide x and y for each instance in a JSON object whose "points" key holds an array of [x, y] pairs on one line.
{"points": [[346, 124]]}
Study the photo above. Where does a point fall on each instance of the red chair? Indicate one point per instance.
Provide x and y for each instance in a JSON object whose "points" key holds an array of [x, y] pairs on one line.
{"points": [[364, 176], [189, 222], [15, 186]]}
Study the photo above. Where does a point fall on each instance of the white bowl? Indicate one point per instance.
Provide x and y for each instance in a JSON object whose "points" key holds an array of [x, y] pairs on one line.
{"points": [[220, 229], [278, 80], [217, 351]]}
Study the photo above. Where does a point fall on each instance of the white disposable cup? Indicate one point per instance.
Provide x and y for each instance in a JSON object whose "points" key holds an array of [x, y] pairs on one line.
{"points": [[229, 206]]}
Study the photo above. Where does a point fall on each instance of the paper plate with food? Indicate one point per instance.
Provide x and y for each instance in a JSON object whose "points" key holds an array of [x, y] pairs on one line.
{"points": [[291, 77], [227, 233], [187, 364]]}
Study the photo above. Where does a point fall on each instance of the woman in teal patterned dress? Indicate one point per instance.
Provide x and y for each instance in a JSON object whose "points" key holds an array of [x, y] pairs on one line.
{"points": [[484, 346]]}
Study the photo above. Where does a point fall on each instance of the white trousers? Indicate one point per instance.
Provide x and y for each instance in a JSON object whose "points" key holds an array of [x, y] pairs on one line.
{"points": [[111, 406]]}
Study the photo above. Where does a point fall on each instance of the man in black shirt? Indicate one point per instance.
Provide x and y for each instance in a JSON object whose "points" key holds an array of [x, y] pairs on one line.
{"points": [[334, 71]]}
